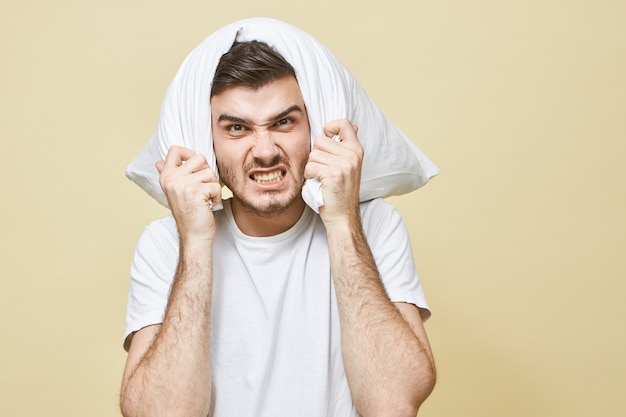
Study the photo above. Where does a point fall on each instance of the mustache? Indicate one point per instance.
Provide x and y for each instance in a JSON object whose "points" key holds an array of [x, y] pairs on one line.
{"points": [[258, 163]]}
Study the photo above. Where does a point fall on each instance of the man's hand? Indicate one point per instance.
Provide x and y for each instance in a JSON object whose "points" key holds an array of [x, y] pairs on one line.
{"points": [[337, 165], [191, 188], [386, 354], [168, 369]]}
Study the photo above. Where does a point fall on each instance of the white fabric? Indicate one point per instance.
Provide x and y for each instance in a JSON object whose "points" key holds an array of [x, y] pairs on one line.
{"points": [[393, 165], [275, 330]]}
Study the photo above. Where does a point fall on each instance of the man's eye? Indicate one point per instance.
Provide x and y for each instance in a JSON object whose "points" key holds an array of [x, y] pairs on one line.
{"points": [[236, 128], [284, 122]]}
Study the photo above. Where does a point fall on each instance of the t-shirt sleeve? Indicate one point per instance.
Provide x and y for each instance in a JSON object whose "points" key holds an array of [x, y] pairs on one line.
{"points": [[390, 244], [151, 275]]}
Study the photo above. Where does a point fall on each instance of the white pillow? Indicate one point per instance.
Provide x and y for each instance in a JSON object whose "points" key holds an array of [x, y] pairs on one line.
{"points": [[392, 164]]}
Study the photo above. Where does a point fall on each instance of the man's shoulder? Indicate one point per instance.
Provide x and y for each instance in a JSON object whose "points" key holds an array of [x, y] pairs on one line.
{"points": [[376, 208], [165, 224], [159, 231], [380, 219]]}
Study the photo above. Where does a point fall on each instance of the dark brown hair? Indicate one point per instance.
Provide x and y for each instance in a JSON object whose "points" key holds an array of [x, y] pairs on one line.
{"points": [[249, 64]]}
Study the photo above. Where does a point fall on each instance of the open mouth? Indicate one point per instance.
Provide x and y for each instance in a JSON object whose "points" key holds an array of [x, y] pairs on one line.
{"points": [[268, 177]]}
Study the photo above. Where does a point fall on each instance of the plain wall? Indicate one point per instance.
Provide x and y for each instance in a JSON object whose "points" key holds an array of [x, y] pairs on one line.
{"points": [[520, 242]]}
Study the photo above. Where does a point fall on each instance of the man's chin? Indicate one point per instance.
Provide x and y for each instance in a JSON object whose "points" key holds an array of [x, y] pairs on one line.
{"points": [[269, 204]]}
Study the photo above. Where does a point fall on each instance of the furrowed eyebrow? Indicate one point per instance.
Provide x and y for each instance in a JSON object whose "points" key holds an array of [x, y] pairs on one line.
{"points": [[284, 113], [239, 120], [234, 119]]}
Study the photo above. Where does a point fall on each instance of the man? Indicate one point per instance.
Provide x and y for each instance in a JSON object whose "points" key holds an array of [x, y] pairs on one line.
{"points": [[274, 310]]}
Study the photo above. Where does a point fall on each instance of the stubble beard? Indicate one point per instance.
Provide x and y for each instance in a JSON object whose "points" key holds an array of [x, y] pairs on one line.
{"points": [[271, 203]]}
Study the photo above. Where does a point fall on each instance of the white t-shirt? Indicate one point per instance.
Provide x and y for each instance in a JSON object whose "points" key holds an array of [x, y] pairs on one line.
{"points": [[275, 340]]}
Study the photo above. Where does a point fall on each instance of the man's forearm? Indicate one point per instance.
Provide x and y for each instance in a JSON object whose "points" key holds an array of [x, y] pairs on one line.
{"points": [[173, 378], [389, 369]]}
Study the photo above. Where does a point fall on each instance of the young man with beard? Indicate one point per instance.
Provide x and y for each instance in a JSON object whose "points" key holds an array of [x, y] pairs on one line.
{"points": [[273, 309]]}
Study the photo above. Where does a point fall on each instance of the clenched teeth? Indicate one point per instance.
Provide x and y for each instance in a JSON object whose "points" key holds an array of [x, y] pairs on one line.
{"points": [[269, 177]]}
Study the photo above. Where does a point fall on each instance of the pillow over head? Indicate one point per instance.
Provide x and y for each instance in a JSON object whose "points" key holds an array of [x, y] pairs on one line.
{"points": [[392, 164]]}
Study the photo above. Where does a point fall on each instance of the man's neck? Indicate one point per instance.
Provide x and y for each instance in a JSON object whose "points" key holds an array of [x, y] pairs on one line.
{"points": [[257, 225]]}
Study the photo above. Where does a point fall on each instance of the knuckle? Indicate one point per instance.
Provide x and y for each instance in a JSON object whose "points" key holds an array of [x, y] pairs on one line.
{"points": [[199, 158]]}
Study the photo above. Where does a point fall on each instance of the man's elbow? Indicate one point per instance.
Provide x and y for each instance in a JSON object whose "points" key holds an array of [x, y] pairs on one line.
{"points": [[405, 404], [131, 408], [126, 408], [424, 389], [179, 412], [397, 408], [410, 405]]}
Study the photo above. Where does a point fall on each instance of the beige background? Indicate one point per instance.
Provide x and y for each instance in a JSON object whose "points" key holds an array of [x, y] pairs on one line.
{"points": [[520, 241]]}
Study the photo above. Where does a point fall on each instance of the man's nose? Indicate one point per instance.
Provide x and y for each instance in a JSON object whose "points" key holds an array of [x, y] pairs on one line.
{"points": [[264, 146]]}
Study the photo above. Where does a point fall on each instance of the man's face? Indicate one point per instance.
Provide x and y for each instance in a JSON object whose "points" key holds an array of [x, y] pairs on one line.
{"points": [[262, 143]]}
